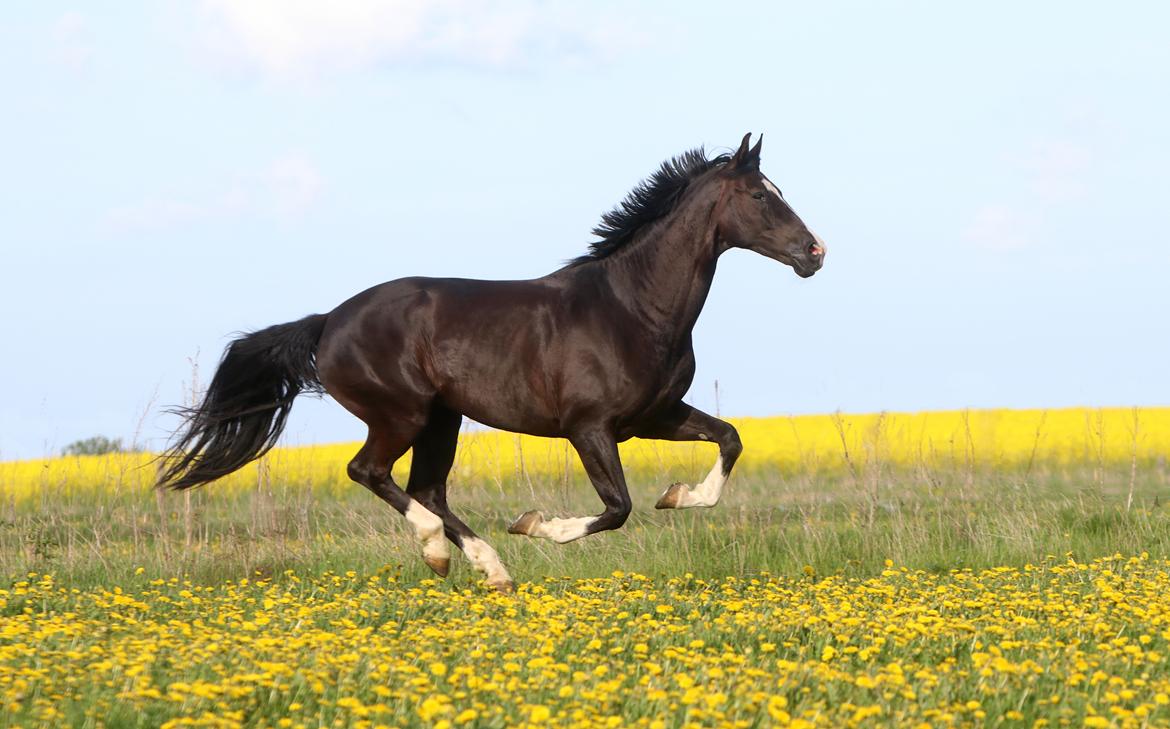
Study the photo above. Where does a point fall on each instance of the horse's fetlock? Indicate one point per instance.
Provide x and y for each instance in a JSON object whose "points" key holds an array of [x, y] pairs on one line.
{"points": [[617, 515]]}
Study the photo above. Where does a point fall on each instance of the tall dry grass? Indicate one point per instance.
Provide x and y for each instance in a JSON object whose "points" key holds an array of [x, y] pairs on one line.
{"points": [[830, 493]]}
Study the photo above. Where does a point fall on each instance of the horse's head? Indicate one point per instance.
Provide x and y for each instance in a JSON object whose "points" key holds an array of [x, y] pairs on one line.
{"points": [[755, 216]]}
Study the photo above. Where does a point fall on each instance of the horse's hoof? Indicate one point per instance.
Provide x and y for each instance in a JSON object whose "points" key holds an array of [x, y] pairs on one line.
{"points": [[671, 496], [526, 523], [504, 586], [438, 565]]}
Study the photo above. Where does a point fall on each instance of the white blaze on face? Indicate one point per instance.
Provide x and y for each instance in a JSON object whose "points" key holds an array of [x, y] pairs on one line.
{"points": [[563, 530], [775, 191], [707, 493], [486, 560], [770, 187], [428, 527]]}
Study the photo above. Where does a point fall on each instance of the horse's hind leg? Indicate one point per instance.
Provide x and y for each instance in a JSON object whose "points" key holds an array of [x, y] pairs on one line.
{"points": [[434, 452], [384, 445]]}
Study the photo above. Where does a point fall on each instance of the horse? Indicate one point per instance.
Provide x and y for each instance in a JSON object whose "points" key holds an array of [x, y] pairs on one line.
{"points": [[596, 352]]}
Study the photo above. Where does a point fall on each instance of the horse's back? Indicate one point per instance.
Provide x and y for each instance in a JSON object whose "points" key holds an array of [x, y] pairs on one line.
{"points": [[468, 341], [529, 356]]}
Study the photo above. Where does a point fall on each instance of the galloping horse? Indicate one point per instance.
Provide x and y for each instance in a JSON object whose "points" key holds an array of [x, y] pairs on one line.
{"points": [[597, 352]]}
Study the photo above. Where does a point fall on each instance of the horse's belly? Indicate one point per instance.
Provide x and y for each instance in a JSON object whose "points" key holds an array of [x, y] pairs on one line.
{"points": [[503, 406], [506, 390]]}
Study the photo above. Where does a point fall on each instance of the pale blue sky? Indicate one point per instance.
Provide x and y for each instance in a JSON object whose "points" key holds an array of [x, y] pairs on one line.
{"points": [[991, 181]]}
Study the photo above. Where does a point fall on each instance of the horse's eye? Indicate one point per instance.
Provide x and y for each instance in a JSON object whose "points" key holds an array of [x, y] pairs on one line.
{"points": [[759, 195]]}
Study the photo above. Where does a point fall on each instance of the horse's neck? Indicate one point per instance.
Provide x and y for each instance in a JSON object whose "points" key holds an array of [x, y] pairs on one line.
{"points": [[664, 277]]}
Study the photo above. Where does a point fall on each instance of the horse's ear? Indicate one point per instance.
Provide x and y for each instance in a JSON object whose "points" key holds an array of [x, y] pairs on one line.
{"points": [[746, 159]]}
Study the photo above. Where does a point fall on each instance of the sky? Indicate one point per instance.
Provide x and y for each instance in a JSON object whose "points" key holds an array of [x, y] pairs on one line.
{"points": [[990, 180]]}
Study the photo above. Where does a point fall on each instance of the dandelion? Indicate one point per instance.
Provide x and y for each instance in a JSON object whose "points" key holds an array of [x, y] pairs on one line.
{"points": [[908, 648]]}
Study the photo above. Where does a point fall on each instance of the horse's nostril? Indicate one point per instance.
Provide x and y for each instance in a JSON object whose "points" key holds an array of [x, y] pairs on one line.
{"points": [[816, 249]]}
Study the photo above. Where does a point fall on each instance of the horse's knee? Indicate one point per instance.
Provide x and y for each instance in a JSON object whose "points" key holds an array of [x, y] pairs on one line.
{"points": [[730, 446]]}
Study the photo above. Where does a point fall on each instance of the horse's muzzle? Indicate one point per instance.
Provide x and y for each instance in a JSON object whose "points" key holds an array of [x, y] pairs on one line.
{"points": [[812, 260]]}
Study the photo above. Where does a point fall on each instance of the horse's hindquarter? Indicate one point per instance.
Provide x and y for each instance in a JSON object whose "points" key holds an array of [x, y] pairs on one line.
{"points": [[367, 356]]}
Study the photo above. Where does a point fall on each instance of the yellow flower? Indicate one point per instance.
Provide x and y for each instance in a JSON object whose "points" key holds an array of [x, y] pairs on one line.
{"points": [[432, 707]]}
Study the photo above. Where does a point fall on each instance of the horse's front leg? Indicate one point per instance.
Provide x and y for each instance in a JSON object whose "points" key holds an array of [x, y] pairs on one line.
{"points": [[597, 448], [683, 422]]}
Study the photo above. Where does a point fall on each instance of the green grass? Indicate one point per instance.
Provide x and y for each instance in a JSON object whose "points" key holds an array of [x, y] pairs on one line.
{"points": [[767, 521]]}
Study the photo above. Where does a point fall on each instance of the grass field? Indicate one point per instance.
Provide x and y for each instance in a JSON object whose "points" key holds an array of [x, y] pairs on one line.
{"points": [[984, 569]]}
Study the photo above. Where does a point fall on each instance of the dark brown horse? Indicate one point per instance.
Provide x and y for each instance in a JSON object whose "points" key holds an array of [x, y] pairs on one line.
{"points": [[597, 352]]}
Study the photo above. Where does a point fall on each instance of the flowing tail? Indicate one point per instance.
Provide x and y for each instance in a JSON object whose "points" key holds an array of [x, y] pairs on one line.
{"points": [[246, 405]]}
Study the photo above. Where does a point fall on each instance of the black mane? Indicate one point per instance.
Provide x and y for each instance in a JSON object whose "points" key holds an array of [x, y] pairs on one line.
{"points": [[650, 200]]}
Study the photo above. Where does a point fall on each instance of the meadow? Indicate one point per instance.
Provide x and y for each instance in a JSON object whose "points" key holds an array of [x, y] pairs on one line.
{"points": [[972, 568]]}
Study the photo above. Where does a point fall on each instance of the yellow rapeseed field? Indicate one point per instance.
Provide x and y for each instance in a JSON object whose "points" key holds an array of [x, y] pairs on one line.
{"points": [[809, 443], [1061, 643]]}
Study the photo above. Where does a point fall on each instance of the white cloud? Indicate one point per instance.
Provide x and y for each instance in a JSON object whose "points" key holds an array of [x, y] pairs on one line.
{"points": [[71, 44], [293, 38], [293, 184], [1059, 170], [283, 190], [1053, 173], [1000, 227], [153, 215]]}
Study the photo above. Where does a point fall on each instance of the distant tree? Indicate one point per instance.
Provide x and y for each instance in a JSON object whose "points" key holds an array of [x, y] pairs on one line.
{"points": [[96, 446]]}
